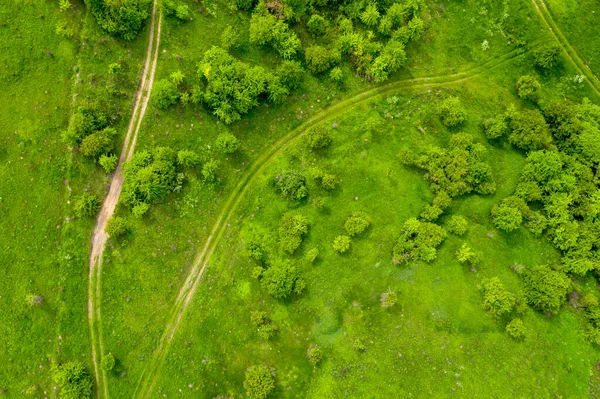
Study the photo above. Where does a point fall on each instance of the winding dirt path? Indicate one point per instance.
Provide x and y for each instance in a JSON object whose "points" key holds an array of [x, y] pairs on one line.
{"points": [[574, 57], [99, 236], [201, 261]]}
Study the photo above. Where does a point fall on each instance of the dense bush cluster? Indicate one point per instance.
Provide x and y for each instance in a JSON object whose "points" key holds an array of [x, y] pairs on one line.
{"points": [[292, 184], [73, 380], [123, 19], [546, 289], [281, 280], [88, 128], [496, 299], [418, 241], [258, 382], [292, 228]]}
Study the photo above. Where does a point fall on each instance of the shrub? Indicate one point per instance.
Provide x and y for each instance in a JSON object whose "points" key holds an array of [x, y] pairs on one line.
{"points": [[506, 216], [358, 345], [341, 244], [117, 227], [495, 127], [452, 112], [98, 143], [316, 25], [258, 382], [319, 59], [389, 298], [357, 223], [209, 169], [86, 205], [457, 225], [318, 137], [529, 130], [370, 16], [266, 329], [83, 123], [546, 289], [266, 29], [164, 94], [108, 363], [292, 229], [122, 19], [418, 241], [516, 328], [292, 184], [527, 86], [496, 299], [314, 355], [329, 181], [336, 75], [108, 162], [227, 143], [187, 158], [312, 255], [546, 57], [282, 280], [73, 380], [290, 74], [140, 209], [466, 255], [230, 39]]}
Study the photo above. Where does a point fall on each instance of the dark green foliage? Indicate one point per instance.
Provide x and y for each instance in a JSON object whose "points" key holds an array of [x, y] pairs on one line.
{"points": [[341, 244], [357, 223], [187, 158], [73, 380], [314, 355], [140, 210], [546, 57], [122, 19], [108, 363], [164, 94], [149, 176], [292, 184], [108, 162], [370, 15], [496, 299], [180, 11], [244, 4], [508, 215], [318, 137], [317, 25], [232, 87], [391, 59], [495, 127], [117, 227], [209, 169], [516, 328], [336, 75], [290, 74], [227, 143], [418, 241], [258, 382], [281, 280], [292, 228], [527, 87], [529, 130], [452, 112], [98, 143], [457, 225], [86, 205], [319, 59], [267, 30], [546, 289], [84, 122]]}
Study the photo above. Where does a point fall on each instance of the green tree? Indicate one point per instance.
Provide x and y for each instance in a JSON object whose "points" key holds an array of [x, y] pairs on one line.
{"points": [[177, 78], [258, 382], [123, 19], [187, 158], [336, 75], [314, 354], [164, 94], [318, 137], [86, 205], [117, 226], [370, 16], [546, 57], [457, 225], [516, 328], [452, 112], [230, 38], [496, 299], [341, 244], [506, 216], [281, 280], [529, 130], [527, 86], [108, 162], [418, 241], [227, 143], [73, 380], [466, 255], [319, 59], [290, 74], [357, 223], [108, 363], [495, 127], [209, 169], [292, 184], [292, 228], [546, 289], [316, 25], [98, 143]]}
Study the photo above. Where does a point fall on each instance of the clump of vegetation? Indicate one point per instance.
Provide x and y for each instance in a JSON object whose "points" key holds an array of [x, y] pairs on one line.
{"points": [[527, 86], [516, 328], [508, 215], [466, 255], [165, 94], [452, 113], [281, 280], [312, 255], [122, 19], [318, 137], [314, 355], [227, 143], [496, 299], [495, 127], [265, 327], [341, 244], [457, 225], [389, 298], [108, 363], [258, 382], [292, 228], [73, 380], [418, 241], [86, 205], [292, 184], [529, 130], [357, 223], [108, 162], [546, 57], [209, 169], [546, 289], [317, 25], [34, 300], [117, 227]]}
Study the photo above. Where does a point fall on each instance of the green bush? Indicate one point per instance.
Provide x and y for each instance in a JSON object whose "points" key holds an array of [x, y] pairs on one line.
{"points": [[292, 184], [314, 355], [73, 380], [496, 299], [282, 280], [265, 328], [290, 74], [318, 137], [312, 255], [507, 216], [357, 223], [457, 225], [452, 112], [316, 25], [209, 169], [546, 57], [516, 329], [319, 59], [418, 241], [164, 94], [227, 143], [187, 158], [268, 30], [140, 210], [108, 162], [292, 228], [258, 382], [336, 75], [86, 205], [117, 227], [83, 123], [529, 130], [495, 127], [122, 19], [108, 363], [527, 86], [546, 289], [370, 16], [98, 143], [230, 38], [466, 255], [341, 244]]}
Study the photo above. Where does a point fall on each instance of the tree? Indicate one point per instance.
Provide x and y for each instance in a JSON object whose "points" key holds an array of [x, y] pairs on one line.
{"points": [[495, 127], [266, 29], [108, 363], [98, 143], [336, 75], [227, 143], [258, 382], [341, 244], [73, 380], [370, 15], [292, 184], [452, 112], [282, 280], [316, 25], [312, 255], [122, 19], [108, 162], [290, 74], [187, 158], [457, 225], [546, 57], [319, 59], [357, 223], [177, 78], [140, 210], [117, 227], [318, 137], [314, 354], [527, 87], [86, 205], [496, 299], [506, 216], [418, 241], [516, 328], [529, 130], [230, 38], [546, 289], [292, 228], [209, 169], [164, 94], [84, 122], [466, 255]]}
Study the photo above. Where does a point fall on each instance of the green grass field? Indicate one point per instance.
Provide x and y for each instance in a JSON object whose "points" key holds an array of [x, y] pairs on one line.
{"points": [[438, 340]]}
